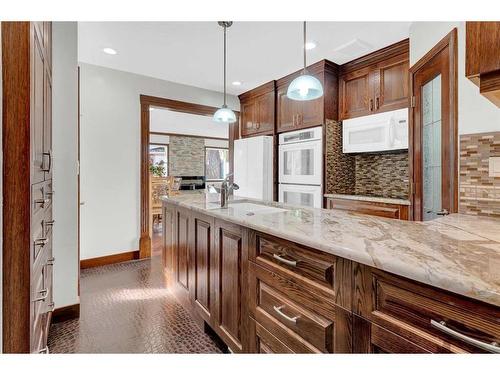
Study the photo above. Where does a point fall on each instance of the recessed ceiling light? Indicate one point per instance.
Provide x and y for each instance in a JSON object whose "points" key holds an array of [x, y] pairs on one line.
{"points": [[236, 83], [109, 51], [310, 45]]}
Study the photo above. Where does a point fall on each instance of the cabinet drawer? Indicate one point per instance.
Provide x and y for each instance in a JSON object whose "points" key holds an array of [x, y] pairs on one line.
{"points": [[41, 234], [435, 320], [300, 318], [294, 261], [263, 342], [391, 211]]}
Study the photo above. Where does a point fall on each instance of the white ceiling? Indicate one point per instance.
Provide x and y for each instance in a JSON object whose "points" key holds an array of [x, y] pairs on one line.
{"points": [[191, 52]]}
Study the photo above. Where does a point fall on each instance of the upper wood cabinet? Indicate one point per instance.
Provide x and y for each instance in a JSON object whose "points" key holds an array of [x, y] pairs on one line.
{"points": [[293, 114], [482, 58], [375, 83], [258, 110]]}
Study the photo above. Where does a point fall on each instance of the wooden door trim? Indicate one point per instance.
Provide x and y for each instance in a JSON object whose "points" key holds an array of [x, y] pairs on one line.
{"points": [[450, 41], [147, 101]]}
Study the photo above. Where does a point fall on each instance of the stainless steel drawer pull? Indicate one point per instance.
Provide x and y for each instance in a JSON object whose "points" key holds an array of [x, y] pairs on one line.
{"points": [[292, 263], [49, 222], [441, 326], [50, 261], [44, 350], [282, 314], [43, 293], [41, 242]]}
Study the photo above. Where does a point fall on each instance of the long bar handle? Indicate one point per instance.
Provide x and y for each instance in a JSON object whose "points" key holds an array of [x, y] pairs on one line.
{"points": [[292, 263], [441, 326], [43, 293], [282, 314]]}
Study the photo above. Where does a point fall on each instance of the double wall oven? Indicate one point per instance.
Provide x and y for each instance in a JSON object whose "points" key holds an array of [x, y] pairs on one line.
{"points": [[301, 167]]}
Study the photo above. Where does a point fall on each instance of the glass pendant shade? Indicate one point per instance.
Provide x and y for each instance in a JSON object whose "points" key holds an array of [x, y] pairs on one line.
{"points": [[305, 87], [224, 114]]}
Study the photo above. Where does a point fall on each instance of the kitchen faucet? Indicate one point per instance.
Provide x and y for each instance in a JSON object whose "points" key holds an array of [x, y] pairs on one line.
{"points": [[226, 190]]}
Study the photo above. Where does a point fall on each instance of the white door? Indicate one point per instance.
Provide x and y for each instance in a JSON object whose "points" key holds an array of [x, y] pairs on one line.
{"points": [[301, 195]]}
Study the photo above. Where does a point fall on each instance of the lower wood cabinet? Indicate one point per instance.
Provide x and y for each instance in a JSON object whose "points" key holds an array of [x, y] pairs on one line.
{"points": [[391, 211], [262, 294]]}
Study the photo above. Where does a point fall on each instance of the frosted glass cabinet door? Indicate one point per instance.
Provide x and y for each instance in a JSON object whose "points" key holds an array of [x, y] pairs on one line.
{"points": [[431, 146]]}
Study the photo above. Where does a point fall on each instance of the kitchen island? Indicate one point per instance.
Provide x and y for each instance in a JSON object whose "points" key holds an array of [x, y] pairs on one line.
{"points": [[271, 277]]}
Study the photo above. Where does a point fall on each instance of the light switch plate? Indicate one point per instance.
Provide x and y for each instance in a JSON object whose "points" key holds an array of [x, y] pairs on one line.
{"points": [[494, 167]]}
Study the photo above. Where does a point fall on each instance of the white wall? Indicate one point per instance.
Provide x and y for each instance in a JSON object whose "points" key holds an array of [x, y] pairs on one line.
{"points": [[165, 121], [65, 151], [110, 153], [476, 114]]}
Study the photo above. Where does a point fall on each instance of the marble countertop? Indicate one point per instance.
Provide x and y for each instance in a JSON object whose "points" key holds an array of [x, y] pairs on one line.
{"points": [[458, 253], [366, 198]]}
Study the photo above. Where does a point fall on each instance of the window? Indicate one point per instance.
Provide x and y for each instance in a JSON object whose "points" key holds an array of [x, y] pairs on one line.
{"points": [[216, 163], [158, 160]]}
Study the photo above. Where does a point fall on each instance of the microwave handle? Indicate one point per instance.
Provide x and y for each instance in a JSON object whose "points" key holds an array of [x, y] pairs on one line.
{"points": [[391, 132]]}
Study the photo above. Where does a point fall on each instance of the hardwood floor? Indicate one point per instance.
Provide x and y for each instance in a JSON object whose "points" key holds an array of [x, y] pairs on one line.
{"points": [[125, 308]]}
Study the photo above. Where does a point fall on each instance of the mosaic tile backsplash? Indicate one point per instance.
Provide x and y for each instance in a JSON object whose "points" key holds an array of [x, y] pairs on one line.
{"points": [[479, 192], [382, 175]]}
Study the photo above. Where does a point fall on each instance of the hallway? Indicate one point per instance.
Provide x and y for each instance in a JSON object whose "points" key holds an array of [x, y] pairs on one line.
{"points": [[124, 308]]}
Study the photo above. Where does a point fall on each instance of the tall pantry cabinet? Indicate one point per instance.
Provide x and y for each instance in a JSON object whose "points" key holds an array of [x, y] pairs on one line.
{"points": [[27, 185]]}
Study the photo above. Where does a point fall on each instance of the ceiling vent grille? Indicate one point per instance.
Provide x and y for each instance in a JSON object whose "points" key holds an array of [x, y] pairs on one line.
{"points": [[354, 48]]}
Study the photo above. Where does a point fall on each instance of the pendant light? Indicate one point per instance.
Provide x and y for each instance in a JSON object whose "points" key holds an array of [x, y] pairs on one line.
{"points": [[305, 86], [225, 114]]}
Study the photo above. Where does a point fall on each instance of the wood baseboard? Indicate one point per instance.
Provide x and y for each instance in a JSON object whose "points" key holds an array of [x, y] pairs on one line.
{"points": [[64, 313], [109, 259]]}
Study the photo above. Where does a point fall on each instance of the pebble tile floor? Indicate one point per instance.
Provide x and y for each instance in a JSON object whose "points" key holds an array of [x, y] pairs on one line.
{"points": [[125, 308]]}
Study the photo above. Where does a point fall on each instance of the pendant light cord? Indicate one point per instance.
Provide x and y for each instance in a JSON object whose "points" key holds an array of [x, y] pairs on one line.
{"points": [[225, 65], [304, 46]]}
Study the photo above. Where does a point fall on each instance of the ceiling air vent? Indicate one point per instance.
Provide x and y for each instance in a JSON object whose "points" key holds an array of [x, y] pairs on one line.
{"points": [[354, 48]]}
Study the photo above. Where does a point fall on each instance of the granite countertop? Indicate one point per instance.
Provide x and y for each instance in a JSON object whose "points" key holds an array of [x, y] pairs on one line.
{"points": [[458, 253], [366, 198]]}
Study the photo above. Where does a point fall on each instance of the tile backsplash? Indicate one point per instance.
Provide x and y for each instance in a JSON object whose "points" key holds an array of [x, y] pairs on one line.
{"points": [[382, 175], [479, 185]]}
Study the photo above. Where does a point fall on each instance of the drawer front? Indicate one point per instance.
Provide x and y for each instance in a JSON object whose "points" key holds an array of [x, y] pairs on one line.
{"points": [[391, 211], [435, 320], [298, 317], [294, 261], [263, 342], [41, 234], [39, 296]]}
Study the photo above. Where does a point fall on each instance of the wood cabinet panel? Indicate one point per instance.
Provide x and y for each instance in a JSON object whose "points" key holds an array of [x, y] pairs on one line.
{"points": [[288, 111], [47, 128], [263, 342], [392, 91], [258, 110], [201, 260], [182, 249], [230, 284], [356, 97], [38, 112]]}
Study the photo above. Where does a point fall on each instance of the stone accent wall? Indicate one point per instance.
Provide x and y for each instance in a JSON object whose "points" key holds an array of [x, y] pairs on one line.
{"points": [[340, 177], [186, 156], [382, 175], [479, 193]]}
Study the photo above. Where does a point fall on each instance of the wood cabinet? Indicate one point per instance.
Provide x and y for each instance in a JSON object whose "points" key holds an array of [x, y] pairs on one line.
{"points": [[389, 210], [206, 267], [432, 320], [27, 172], [263, 294], [375, 83], [258, 110], [482, 58], [293, 114]]}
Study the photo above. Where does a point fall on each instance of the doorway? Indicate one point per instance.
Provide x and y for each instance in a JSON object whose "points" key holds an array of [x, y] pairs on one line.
{"points": [[433, 131], [147, 103]]}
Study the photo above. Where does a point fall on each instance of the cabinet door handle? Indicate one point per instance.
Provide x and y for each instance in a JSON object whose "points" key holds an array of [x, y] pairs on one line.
{"points": [[44, 350], [282, 314], [43, 293], [49, 154], [441, 326], [50, 261], [292, 263], [42, 202], [371, 104], [40, 242], [377, 102]]}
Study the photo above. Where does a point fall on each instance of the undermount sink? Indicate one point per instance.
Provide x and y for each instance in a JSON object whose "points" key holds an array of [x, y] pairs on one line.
{"points": [[250, 208]]}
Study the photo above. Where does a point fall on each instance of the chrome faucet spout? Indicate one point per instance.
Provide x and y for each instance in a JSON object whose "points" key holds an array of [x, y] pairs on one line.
{"points": [[226, 190]]}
